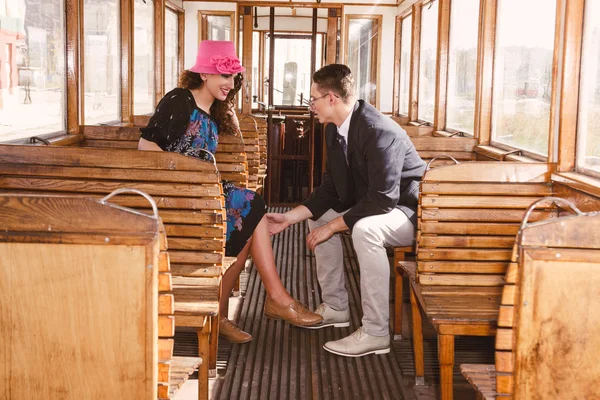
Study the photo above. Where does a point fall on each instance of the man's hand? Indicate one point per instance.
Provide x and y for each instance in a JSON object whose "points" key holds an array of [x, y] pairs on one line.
{"points": [[318, 236], [277, 222]]}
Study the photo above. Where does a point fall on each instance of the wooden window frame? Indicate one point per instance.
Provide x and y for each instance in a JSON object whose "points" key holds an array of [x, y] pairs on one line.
{"points": [[375, 64], [484, 96], [202, 25], [398, 62], [180, 34]]}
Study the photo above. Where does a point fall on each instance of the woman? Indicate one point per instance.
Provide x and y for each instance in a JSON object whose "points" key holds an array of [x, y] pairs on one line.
{"points": [[187, 121]]}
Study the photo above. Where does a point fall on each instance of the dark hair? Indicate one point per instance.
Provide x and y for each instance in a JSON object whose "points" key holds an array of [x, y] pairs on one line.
{"points": [[220, 110], [336, 78]]}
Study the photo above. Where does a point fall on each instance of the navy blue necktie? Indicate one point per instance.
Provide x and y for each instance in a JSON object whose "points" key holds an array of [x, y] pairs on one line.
{"points": [[342, 141]]}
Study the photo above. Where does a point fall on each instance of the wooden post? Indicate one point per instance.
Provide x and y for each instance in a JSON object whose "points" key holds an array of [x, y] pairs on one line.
{"points": [[127, 60], [397, 43], [74, 12], [332, 25], [569, 99], [446, 359], [441, 87], [246, 12], [417, 339], [413, 108], [485, 71], [159, 50]]}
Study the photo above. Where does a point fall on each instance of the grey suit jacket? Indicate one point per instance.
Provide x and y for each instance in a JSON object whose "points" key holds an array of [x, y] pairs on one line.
{"points": [[382, 173]]}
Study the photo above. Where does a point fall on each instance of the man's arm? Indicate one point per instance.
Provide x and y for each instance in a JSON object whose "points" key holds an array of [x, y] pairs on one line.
{"points": [[279, 222]]}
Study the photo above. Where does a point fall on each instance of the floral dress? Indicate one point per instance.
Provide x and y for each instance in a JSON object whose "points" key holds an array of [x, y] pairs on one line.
{"points": [[178, 125]]}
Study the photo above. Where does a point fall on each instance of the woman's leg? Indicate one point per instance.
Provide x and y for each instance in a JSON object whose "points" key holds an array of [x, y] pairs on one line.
{"points": [[231, 276], [264, 260]]}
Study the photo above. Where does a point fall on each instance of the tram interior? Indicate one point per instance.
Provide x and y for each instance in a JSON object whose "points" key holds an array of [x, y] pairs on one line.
{"points": [[112, 258]]}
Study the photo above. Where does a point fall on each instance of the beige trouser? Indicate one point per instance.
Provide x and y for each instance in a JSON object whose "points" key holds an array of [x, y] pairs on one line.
{"points": [[370, 235]]}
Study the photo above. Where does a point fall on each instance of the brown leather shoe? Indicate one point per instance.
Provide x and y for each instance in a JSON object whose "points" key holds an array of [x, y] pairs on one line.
{"points": [[296, 313], [233, 332]]}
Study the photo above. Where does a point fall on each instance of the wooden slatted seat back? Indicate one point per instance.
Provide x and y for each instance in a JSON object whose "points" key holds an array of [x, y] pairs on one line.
{"points": [[231, 159], [188, 192], [468, 217], [549, 324], [78, 295], [262, 146], [249, 129], [459, 148], [119, 137]]}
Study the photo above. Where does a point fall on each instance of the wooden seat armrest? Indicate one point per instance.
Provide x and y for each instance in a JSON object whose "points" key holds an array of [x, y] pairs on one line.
{"points": [[410, 268]]}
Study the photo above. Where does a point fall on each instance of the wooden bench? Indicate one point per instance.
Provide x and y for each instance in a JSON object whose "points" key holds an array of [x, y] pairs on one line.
{"points": [[81, 303], [189, 196], [549, 323], [255, 151], [467, 220], [262, 148]]}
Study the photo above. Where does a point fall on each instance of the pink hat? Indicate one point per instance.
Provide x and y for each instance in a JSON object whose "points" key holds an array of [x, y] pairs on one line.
{"points": [[217, 57]]}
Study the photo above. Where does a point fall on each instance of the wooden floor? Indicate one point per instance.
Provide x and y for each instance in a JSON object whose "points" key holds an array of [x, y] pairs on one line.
{"points": [[285, 362]]}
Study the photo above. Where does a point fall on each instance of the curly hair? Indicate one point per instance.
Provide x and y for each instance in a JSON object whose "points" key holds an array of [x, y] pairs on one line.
{"points": [[221, 111]]}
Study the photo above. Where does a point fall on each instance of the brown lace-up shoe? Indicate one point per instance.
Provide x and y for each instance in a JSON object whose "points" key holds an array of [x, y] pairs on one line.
{"points": [[232, 332], [296, 313]]}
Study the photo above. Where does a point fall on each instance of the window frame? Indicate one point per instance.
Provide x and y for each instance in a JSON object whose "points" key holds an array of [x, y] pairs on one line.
{"points": [[398, 63], [375, 65], [202, 25]]}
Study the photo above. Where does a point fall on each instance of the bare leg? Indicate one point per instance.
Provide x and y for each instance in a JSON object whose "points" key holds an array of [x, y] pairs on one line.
{"points": [[261, 249], [264, 260], [230, 278]]}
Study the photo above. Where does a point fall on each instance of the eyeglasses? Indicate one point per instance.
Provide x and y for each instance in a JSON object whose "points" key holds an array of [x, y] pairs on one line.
{"points": [[312, 101]]}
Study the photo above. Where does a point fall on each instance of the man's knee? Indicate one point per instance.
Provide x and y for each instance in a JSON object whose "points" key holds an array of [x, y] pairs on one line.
{"points": [[366, 231]]}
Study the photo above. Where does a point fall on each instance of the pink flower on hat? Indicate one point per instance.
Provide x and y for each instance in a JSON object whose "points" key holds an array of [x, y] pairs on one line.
{"points": [[226, 64]]}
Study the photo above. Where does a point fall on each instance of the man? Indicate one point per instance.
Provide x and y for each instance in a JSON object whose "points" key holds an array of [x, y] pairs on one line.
{"points": [[370, 187]]}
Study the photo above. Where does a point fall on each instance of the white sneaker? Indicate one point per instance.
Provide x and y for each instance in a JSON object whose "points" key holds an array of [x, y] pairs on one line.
{"points": [[359, 344], [337, 319]]}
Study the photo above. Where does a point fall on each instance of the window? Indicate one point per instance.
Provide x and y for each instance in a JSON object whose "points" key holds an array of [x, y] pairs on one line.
{"points": [[405, 55], [143, 52], [292, 78], [522, 82], [33, 79], [171, 49], [255, 68], [427, 63], [101, 44], [462, 65], [588, 125], [363, 36], [216, 25]]}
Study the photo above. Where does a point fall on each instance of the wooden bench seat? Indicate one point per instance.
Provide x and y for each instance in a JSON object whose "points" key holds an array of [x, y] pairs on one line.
{"points": [[79, 300], [468, 217], [549, 303], [483, 378], [188, 194]]}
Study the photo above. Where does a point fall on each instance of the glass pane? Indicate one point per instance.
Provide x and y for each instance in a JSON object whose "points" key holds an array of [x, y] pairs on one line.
{"points": [[319, 52], [523, 74], [588, 134], [362, 57], [143, 52], [171, 50], [218, 27], [462, 65], [292, 77], [405, 52], [32, 57], [266, 60], [255, 67], [101, 40], [427, 65]]}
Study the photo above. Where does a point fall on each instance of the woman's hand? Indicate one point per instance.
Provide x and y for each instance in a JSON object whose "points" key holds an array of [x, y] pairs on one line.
{"points": [[277, 222]]}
